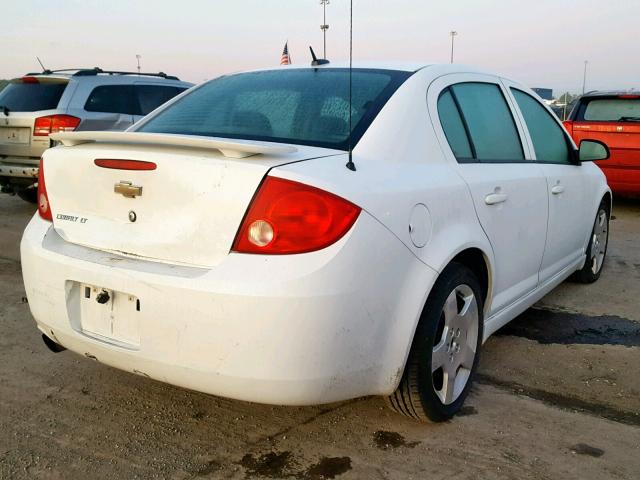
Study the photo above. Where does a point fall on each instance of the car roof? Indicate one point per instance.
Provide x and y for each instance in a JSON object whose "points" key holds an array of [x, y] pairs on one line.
{"points": [[610, 93], [97, 72], [439, 68]]}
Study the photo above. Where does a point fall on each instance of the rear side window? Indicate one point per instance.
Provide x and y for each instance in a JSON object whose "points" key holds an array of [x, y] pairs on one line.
{"points": [[130, 99], [31, 97], [488, 124], [610, 110], [549, 140], [112, 99], [151, 97]]}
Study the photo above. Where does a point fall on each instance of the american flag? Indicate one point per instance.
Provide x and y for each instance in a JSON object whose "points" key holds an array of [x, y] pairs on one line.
{"points": [[286, 58]]}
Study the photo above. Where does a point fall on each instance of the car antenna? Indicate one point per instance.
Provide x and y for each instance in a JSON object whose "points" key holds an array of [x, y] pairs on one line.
{"points": [[43, 67], [350, 165], [315, 61]]}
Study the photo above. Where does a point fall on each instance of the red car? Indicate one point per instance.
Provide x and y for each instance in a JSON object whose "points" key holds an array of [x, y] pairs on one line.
{"points": [[612, 118]]}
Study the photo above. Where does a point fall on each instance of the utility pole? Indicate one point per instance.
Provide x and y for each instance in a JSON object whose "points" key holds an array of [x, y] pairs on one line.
{"points": [[138, 57], [453, 34], [324, 27], [584, 77]]}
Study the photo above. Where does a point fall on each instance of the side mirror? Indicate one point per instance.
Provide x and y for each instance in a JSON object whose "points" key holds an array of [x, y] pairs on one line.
{"points": [[592, 151]]}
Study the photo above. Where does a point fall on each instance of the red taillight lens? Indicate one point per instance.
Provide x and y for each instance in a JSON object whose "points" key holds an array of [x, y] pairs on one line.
{"points": [[54, 124], [44, 207], [124, 164], [288, 217], [568, 124]]}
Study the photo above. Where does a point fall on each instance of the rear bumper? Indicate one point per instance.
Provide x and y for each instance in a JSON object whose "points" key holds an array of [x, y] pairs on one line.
{"points": [[295, 330], [17, 167], [623, 180]]}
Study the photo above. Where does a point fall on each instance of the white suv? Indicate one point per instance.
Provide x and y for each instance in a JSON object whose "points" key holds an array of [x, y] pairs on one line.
{"points": [[33, 106], [231, 244]]}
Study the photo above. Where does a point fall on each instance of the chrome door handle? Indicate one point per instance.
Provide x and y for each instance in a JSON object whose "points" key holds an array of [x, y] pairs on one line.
{"points": [[557, 189], [495, 198]]}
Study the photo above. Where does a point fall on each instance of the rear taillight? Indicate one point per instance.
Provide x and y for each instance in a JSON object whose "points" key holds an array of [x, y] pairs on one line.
{"points": [[288, 217], [568, 124], [44, 207], [54, 124]]}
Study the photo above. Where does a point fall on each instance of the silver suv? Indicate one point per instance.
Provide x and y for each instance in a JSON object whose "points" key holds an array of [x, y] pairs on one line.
{"points": [[38, 104]]}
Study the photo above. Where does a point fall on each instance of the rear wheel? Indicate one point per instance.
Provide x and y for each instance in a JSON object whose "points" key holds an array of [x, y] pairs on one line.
{"points": [[445, 350], [597, 248]]}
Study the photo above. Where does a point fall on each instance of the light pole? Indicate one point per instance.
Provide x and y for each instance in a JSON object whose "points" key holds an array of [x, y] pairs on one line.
{"points": [[324, 27], [584, 77], [138, 57], [453, 34]]}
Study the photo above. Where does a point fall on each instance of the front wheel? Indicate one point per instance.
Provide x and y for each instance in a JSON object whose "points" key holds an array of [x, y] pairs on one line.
{"points": [[445, 350], [597, 248]]}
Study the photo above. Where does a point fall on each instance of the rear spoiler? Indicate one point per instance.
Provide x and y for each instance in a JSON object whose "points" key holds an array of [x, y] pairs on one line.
{"points": [[228, 147]]}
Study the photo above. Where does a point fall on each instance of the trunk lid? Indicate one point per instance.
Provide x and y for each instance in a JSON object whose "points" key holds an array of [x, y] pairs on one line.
{"points": [[190, 206]]}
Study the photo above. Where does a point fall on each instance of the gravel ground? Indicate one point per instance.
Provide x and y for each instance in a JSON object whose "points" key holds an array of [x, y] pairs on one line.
{"points": [[558, 396]]}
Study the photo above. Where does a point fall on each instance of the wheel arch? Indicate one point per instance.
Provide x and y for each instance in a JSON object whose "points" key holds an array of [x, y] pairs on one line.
{"points": [[478, 262]]}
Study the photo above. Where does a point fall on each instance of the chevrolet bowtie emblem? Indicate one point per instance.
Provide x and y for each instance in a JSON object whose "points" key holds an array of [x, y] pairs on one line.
{"points": [[127, 189]]}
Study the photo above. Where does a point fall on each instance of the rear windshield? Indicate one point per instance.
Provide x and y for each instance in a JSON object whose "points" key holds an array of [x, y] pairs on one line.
{"points": [[610, 110], [31, 97], [300, 106]]}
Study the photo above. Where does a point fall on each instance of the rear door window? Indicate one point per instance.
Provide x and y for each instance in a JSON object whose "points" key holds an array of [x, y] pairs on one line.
{"points": [[549, 140], [150, 97], [454, 128], [112, 99], [22, 96], [484, 118]]}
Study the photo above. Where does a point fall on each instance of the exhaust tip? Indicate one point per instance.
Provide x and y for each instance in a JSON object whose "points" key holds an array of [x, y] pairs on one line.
{"points": [[51, 345]]}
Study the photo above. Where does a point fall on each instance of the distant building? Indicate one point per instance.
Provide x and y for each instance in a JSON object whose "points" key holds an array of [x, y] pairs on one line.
{"points": [[544, 93]]}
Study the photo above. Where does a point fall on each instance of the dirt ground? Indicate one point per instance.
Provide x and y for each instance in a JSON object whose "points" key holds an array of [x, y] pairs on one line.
{"points": [[558, 396]]}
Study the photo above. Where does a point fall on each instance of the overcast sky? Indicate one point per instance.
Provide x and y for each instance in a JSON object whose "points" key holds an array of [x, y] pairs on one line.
{"points": [[542, 43]]}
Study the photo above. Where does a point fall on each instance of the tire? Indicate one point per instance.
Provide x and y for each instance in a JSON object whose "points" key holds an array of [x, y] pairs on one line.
{"points": [[28, 195], [426, 393], [597, 248]]}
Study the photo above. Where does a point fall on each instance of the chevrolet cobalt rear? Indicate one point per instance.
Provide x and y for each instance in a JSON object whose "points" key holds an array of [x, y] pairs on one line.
{"points": [[244, 241]]}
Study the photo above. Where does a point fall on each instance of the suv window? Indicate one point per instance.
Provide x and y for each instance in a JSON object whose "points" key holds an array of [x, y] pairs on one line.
{"points": [[549, 139], [130, 99], [490, 129], [112, 99], [151, 97], [610, 110], [19, 96]]}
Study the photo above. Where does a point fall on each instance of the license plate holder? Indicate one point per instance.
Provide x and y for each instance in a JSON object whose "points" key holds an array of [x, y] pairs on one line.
{"points": [[15, 135], [110, 315]]}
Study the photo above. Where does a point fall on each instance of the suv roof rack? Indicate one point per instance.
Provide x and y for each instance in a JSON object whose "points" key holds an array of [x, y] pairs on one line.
{"points": [[86, 72]]}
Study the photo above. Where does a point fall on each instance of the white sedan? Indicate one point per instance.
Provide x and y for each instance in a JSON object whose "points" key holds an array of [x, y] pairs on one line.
{"points": [[230, 243]]}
